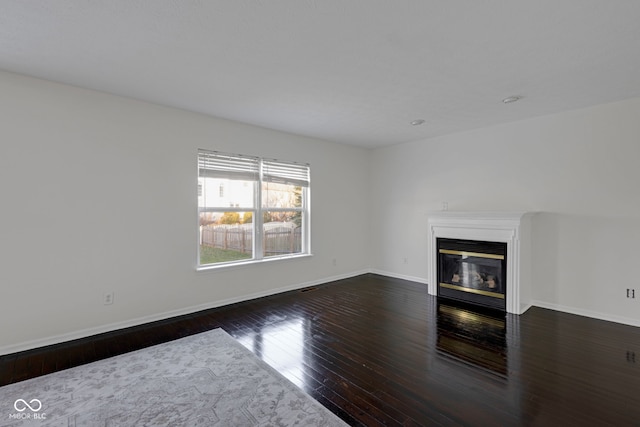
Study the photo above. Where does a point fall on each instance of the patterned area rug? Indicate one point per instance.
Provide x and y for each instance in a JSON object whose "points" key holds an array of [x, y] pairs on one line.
{"points": [[207, 379]]}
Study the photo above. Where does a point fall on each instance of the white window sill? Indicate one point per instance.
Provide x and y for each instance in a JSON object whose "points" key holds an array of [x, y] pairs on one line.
{"points": [[240, 264]]}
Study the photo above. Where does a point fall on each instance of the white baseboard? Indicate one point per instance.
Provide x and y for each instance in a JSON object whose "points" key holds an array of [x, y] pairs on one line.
{"points": [[541, 304], [399, 276], [587, 313], [524, 307], [83, 333]]}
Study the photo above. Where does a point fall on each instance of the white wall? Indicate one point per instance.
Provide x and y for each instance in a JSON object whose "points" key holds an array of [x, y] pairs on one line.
{"points": [[99, 194], [580, 170]]}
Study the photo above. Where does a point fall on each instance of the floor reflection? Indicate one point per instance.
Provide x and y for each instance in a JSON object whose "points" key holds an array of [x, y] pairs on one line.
{"points": [[474, 337], [280, 343]]}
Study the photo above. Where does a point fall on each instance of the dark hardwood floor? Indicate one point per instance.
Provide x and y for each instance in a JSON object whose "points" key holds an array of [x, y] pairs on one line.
{"points": [[381, 351]]}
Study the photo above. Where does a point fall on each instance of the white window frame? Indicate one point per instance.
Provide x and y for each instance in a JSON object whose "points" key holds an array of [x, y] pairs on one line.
{"points": [[258, 208]]}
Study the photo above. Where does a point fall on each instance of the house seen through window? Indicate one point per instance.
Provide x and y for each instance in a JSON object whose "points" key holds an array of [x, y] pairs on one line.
{"points": [[251, 208]]}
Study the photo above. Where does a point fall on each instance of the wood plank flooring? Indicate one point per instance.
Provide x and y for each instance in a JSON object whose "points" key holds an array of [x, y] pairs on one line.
{"points": [[381, 351]]}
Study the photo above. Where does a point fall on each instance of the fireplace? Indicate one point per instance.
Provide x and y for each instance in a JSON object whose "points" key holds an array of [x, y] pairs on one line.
{"points": [[512, 230], [472, 271]]}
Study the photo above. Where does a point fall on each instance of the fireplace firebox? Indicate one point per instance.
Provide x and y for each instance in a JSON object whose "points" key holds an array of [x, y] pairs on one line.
{"points": [[473, 272]]}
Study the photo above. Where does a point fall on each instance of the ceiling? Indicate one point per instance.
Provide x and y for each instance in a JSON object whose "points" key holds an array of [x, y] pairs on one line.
{"points": [[350, 71]]}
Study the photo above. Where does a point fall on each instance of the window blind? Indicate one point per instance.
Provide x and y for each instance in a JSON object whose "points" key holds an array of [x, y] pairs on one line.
{"points": [[212, 164], [285, 172]]}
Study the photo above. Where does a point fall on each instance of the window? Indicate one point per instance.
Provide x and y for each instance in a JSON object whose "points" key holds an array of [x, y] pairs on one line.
{"points": [[251, 208]]}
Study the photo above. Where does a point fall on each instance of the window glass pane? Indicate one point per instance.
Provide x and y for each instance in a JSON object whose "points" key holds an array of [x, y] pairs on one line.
{"points": [[235, 189], [282, 233], [276, 195], [225, 236], [225, 193]]}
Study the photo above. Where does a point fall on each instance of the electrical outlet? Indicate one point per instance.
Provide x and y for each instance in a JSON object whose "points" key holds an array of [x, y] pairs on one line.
{"points": [[107, 298], [631, 356], [631, 293]]}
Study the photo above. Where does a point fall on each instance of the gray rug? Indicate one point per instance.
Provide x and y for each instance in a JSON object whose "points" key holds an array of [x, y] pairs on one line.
{"points": [[207, 379]]}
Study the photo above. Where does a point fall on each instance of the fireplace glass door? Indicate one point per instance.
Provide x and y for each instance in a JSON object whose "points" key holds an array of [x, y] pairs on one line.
{"points": [[472, 271]]}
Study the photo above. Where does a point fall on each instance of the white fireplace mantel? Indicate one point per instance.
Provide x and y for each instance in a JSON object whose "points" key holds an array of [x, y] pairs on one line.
{"points": [[512, 228]]}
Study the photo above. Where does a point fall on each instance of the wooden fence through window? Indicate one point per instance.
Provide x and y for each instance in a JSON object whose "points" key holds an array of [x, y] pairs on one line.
{"points": [[278, 238]]}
